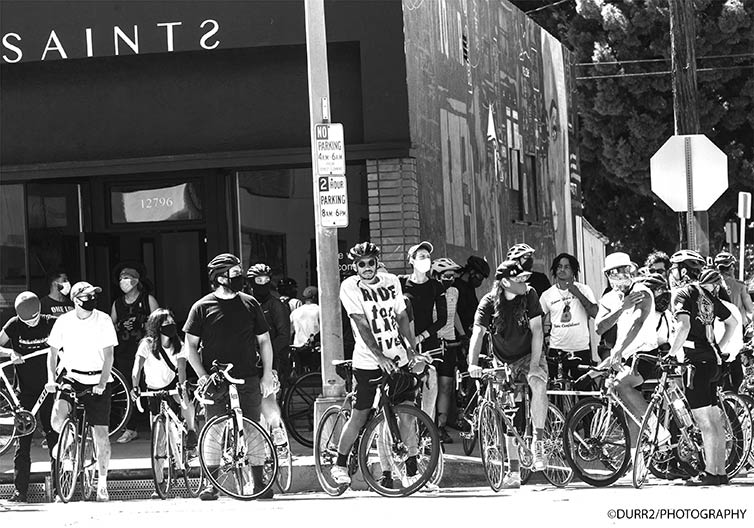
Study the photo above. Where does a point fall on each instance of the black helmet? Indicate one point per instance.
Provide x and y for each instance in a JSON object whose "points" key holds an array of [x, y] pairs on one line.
{"points": [[652, 281], [363, 250], [222, 263], [478, 264], [258, 269]]}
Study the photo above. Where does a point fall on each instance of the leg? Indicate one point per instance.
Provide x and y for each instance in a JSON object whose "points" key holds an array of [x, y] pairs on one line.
{"points": [[633, 400], [444, 395], [102, 441], [710, 423]]}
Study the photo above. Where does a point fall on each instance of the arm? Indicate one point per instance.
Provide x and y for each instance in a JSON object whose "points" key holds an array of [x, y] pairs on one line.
{"points": [[267, 383], [590, 307], [643, 306], [748, 305], [537, 337], [475, 346], [460, 332], [153, 305], [406, 330], [282, 328], [114, 316], [136, 372], [4, 341], [606, 320], [682, 333], [730, 326], [367, 336], [191, 349], [107, 367], [52, 365], [441, 307]]}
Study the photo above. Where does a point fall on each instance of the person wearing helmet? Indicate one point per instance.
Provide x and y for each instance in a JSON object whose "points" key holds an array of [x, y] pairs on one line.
{"points": [[27, 332], [661, 319], [524, 255], [382, 331], [446, 271], [230, 327], [696, 307], [470, 278], [511, 313], [568, 305], [739, 296], [288, 290], [685, 267]]}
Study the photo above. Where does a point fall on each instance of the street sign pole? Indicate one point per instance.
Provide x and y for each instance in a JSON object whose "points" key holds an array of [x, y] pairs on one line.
{"points": [[744, 213], [326, 239], [690, 224]]}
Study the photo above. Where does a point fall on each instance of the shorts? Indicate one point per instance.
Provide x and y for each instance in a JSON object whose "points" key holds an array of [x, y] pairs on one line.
{"points": [[447, 368], [647, 369], [520, 368], [704, 390], [367, 382], [97, 407], [249, 395], [154, 403]]}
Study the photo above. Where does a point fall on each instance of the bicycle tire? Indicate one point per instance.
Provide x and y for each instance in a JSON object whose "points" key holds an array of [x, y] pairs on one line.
{"points": [[750, 404], [88, 465], [121, 405], [162, 467], [470, 416], [284, 479], [738, 424], [327, 437], [67, 461], [439, 470], [193, 476], [469, 444], [7, 423], [376, 440], [298, 407], [221, 431], [558, 472], [492, 445], [581, 447], [646, 445]]}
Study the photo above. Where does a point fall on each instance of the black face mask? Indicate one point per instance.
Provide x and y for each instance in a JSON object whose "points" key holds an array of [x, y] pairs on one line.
{"points": [[261, 291], [168, 330], [447, 283], [235, 283], [89, 304], [662, 301], [527, 263]]}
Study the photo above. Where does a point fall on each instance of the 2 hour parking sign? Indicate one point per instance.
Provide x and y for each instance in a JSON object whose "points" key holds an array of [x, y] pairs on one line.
{"points": [[332, 201]]}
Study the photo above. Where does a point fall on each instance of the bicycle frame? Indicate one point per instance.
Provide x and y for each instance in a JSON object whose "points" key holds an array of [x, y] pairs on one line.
{"points": [[8, 386]]}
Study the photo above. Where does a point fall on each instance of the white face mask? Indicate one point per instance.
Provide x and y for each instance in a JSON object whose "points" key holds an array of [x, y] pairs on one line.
{"points": [[422, 265], [64, 287], [126, 285]]}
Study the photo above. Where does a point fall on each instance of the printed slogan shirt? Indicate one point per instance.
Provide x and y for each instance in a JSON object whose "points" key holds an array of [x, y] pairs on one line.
{"points": [[380, 303]]}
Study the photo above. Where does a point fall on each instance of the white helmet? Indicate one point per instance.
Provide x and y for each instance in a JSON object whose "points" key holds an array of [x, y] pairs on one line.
{"points": [[442, 265], [518, 251]]}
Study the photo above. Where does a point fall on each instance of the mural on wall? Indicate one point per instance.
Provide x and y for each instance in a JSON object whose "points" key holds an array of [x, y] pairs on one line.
{"points": [[488, 104]]}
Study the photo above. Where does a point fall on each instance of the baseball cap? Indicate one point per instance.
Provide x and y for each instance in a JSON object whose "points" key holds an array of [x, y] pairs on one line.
{"points": [[617, 260], [510, 269], [421, 245], [27, 306], [83, 288], [310, 292]]}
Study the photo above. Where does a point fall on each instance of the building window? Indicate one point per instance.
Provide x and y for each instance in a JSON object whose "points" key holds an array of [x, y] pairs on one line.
{"points": [[13, 275]]}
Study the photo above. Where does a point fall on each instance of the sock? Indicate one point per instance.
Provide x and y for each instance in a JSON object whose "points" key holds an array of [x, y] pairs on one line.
{"points": [[513, 461], [101, 481], [342, 460], [387, 474], [411, 466], [515, 465], [539, 433]]}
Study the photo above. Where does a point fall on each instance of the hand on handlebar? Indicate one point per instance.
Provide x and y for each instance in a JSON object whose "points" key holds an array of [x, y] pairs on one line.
{"points": [[16, 358], [51, 387], [386, 365], [135, 392], [475, 371]]}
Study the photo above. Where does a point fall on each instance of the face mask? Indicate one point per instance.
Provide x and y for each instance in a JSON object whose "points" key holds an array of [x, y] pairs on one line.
{"points": [[235, 283], [527, 263], [447, 283], [126, 285], [261, 291], [89, 305], [620, 281], [168, 330], [422, 265], [33, 322], [64, 287], [662, 302], [475, 281]]}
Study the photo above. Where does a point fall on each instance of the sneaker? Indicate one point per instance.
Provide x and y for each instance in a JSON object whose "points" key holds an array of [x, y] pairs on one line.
{"points": [[704, 479], [278, 437], [540, 459], [512, 480], [444, 436], [340, 475], [102, 495], [191, 441], [724, 480], [43, 443], [155, 495], [267, 495], [208, 494], [18, 497], [386, 481], [460, 425], [127, 436], [430, 487]]}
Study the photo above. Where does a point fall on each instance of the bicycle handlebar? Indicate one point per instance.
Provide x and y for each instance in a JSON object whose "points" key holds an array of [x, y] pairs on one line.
{"points": [[162, 394], [42, 352], [224, 373]]}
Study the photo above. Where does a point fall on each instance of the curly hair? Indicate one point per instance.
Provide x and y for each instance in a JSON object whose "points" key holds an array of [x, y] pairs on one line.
{"points": [[152, 336], [520, 313], [572, 261]]}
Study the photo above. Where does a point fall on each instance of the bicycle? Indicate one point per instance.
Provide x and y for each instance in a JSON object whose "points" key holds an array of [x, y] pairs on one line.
{"points": [[471, 390], [15, 421], [76, 451], [285, 458], [379, 444], [231, 445], [561, 388], [303, 388], [169, 454], [504, 410]]}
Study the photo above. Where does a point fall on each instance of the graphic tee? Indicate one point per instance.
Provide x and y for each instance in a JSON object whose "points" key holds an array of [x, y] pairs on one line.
{"points": [[380, 303], [55, 308], [24, 340], [569, 326], [512, 340], [702, 310]]}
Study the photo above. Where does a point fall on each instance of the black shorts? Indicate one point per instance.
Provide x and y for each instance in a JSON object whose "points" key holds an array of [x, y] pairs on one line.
{"points": [[447, 368], [704, 390], [367, 382], [647, 369], [97, 407], [154, 403]]}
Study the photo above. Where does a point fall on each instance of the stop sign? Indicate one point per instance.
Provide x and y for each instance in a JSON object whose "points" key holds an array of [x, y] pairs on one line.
{"points": [[709, 172]]}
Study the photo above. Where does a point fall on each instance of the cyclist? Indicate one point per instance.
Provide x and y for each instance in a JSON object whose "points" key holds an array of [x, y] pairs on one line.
{"points": [[377, 311], [524, 255], [288, 290], [56, 303], [471, 277], [446, 271], [305, 326], [696, 306], [512, 314], [27, 332], [230, 327], [88, 337]]}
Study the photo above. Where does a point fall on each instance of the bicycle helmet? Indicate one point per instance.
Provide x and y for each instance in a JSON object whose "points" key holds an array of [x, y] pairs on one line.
{"points": [[478, 264], [222, 263], [688, 257], [442, 265], [724, 259], [518, 251], [710, 276], [258, 270], [652, 281], [363, 250]]}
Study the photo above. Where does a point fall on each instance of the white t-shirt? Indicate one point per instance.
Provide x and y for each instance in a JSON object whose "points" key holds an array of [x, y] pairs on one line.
{"points": [[569, 332], [305, 323], [83, 341], [736, 342], [157, 374], [380, 303], [612, 301]]}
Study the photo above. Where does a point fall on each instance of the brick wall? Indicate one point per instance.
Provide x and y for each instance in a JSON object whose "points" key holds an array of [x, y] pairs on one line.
{"points": [[393, 209]]}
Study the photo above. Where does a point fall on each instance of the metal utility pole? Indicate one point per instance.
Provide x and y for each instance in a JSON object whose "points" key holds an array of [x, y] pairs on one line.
{"points": [[685, 106], [326, 239]]}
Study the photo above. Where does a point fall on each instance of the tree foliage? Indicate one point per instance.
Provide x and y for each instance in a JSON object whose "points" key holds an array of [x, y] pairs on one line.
{"points": [[624, 120]]}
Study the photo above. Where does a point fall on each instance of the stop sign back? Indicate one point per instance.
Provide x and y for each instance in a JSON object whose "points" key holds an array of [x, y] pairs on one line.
{"points": [[709, 172]]}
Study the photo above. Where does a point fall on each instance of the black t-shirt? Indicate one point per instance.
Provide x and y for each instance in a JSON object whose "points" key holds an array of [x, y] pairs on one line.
{"points": [[702, 309], [467, 304], [227, 329], [539, 282], [513, 340], [425, 298], [24, 340], [55, 308]]}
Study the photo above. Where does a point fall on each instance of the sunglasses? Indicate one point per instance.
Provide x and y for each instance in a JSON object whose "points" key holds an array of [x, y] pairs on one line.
{"points": [[619, 271], [370, 263], [264, 279], [657, 270], [448, 276]]}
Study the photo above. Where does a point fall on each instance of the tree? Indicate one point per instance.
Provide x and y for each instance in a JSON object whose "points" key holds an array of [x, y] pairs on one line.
{"points": [[625, 118]]}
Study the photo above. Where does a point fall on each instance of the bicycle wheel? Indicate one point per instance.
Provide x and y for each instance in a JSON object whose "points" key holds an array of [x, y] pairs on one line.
{"points": [[7, 423], [558, 472], [67, 461], [440, 469], [750, 404], [647, 445], [121, 405], [738, 433], [468, 439], [492, 445], [162, 468], [596, 442], [411, 459], [88, 465], [193, 478], [285, 463], [298, 407], [243, 470], [326, 447]]}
